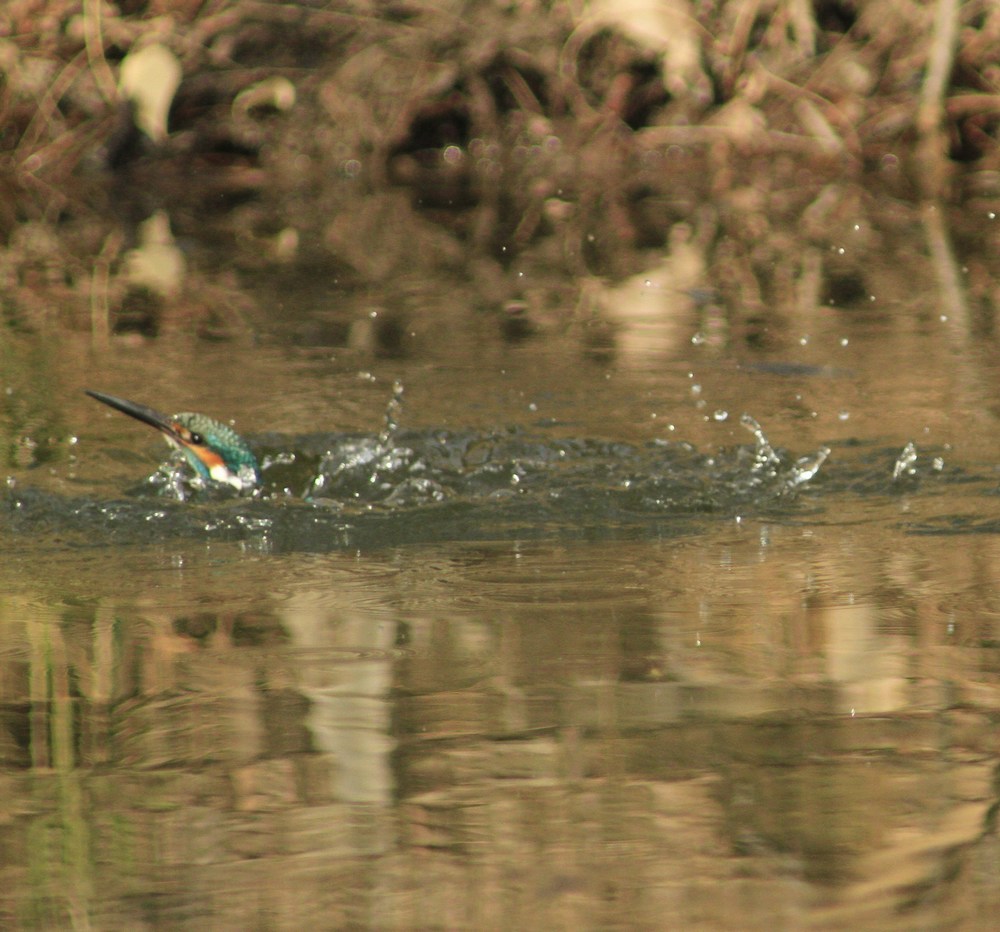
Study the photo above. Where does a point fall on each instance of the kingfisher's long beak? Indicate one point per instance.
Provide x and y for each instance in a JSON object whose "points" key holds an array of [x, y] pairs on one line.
{"points": [[183, 432], [142, 413]]}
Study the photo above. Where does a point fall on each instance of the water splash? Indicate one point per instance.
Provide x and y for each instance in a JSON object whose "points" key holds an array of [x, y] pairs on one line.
{"points": [[766, 461], [904, 465], [393, 410], [805, 467], [403, 485]]}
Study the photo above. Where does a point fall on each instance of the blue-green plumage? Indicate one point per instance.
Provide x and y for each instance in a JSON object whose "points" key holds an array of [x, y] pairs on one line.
{"points": [[214, 450]]}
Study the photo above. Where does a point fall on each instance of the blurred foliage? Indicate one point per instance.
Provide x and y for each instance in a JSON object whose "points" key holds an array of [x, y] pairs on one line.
{"points": [[365, 143]]}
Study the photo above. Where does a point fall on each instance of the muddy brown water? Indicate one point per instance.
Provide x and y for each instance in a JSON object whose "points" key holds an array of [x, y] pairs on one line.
{"points": [[562, 646]]}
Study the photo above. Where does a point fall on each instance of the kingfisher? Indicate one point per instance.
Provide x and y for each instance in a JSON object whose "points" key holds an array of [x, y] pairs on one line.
{"points": [[214, 450]]}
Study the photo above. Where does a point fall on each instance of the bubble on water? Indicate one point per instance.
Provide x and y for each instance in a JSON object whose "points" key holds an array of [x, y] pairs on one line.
{"points": [[696, 389], [721, 415]]}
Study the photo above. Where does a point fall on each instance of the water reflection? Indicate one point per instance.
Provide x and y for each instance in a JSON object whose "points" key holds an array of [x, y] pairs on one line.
{"points": [[766, 721], [559, 644]]}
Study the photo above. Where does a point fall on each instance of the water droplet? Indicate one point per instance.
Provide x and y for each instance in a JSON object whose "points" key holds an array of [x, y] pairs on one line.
{"points": [[804, 340], [696, 389], [843, 415], [938, 463], [721, 415], [844, 341], [943, 318]]}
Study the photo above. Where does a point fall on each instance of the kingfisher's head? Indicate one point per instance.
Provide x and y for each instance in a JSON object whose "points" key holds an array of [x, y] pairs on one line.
{"points": [[214, 450]]}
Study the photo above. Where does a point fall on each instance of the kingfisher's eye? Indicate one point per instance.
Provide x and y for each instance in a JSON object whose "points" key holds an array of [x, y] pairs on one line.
{"points": [[196, 439]]}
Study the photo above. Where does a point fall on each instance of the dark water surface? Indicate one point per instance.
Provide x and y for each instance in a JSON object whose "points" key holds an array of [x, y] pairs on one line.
{"points": [[551, 641]]}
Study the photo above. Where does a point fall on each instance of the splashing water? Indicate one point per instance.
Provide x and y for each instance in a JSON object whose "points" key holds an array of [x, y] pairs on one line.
{"points": [[378, 465], [403, 485], [806, 467], [905, 462], [393, 410], [766, 460]]}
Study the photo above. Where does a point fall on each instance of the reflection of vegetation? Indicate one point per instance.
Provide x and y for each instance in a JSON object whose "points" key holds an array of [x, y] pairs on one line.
{"points": [[568, 137], [30, 432], [57, 846]]}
